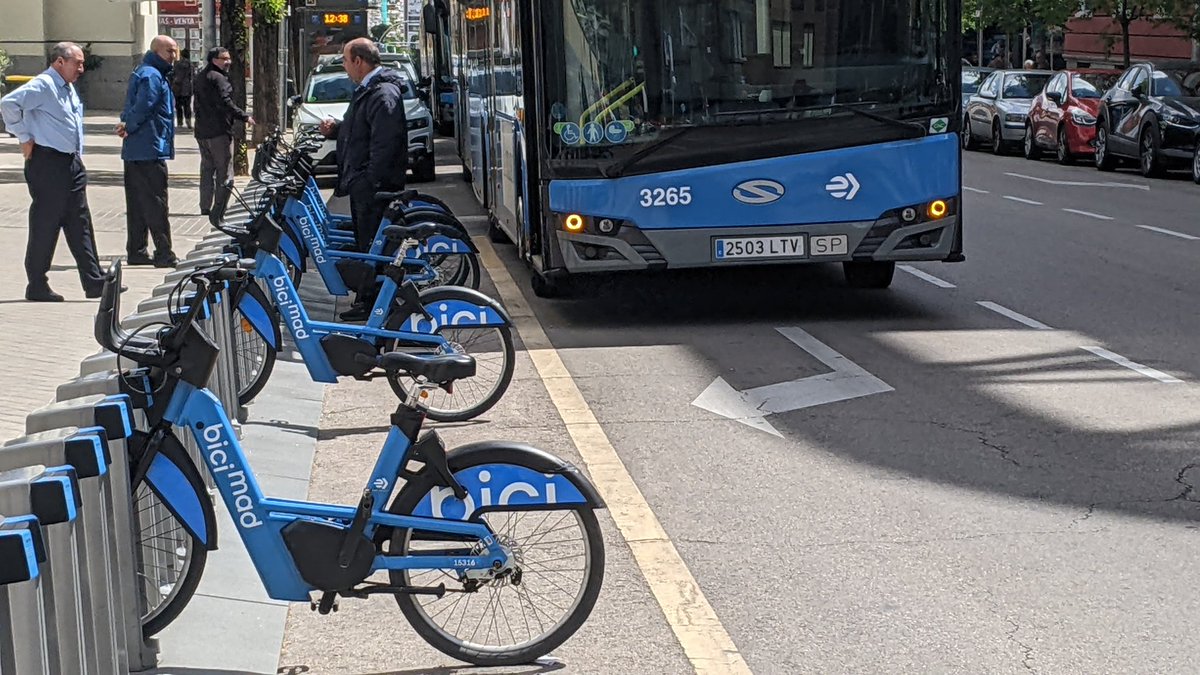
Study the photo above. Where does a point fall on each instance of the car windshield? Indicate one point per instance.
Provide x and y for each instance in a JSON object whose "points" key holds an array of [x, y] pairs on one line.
{"points": [[1092, 85], [971, 79], [337, 87], [1024, 85], [1176, 83]]}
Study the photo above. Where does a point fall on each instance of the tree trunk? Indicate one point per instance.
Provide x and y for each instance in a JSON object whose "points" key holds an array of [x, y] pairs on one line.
{"points": [[266, 78], [236, 39], [1125, 39]]}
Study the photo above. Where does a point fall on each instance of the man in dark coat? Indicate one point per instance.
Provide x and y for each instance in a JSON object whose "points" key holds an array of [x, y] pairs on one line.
{"points": [[372, 145], [148, 131], [216, 114]]}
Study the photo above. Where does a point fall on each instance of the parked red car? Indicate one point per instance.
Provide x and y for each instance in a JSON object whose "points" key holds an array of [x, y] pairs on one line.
{"points": [[1063, 117]]}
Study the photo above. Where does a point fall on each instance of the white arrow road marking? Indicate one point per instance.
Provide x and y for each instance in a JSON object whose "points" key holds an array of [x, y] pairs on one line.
{"points": [[750, 407]]}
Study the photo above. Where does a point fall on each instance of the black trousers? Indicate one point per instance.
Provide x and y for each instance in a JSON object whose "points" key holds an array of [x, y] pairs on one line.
{"points": [[183, 109], [58, 189], [146, 208], [366, 214]]}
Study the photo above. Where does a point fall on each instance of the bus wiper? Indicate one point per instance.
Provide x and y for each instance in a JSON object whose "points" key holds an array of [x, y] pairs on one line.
{"points": [[615, 169], [874, 116]]}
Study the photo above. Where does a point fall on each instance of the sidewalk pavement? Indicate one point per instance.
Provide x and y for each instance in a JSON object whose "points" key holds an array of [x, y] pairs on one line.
{"points": [[44, 342]]}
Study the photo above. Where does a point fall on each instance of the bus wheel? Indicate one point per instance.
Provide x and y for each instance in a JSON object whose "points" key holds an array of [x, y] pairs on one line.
{"points": [[869, 274], [544, 287], [495, 234], [426, 169]]}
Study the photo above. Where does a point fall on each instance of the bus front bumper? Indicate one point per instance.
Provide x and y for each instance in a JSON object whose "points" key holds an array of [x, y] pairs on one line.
{"points": [[632, 248]]}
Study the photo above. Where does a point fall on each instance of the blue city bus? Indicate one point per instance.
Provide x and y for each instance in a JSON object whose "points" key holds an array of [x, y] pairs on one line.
{"points": [[626, 135]]}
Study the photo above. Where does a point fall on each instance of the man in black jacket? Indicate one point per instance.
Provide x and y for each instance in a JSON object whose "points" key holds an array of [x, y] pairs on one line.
{"points": [[216, 114], [372, 146]]}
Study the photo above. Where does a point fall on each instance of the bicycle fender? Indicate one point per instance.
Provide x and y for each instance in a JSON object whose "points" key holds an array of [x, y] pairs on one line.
{"points": [[177, 483], [291, 251], [464, 298], [259, 317], [496, 474]]}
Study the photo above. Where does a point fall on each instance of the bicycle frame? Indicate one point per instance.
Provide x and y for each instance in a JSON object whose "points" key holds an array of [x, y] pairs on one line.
{"points": [[307, 334], [260, 520], [306, 225]]}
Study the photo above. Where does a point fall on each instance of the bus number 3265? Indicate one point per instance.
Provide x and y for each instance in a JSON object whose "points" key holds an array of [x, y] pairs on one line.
{"points": [[672, 196]]}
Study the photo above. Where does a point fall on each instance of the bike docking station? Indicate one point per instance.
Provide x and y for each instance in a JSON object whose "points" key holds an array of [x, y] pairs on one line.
{"points": [[74, 571]]}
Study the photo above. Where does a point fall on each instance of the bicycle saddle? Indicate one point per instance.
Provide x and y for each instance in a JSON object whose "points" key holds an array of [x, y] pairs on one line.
{"points": [[419, 232], [436, 369], [403, 195]]}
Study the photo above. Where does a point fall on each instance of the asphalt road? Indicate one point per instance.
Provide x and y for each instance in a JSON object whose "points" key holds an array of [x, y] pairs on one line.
{"points": [[1017, 495]]}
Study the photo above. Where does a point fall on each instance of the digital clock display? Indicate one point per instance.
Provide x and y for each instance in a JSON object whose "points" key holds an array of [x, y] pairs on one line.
{"points": [[336, 18]]}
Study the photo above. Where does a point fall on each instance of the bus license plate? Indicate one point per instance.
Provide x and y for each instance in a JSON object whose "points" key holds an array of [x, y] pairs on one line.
{"points": [[743, 248]]}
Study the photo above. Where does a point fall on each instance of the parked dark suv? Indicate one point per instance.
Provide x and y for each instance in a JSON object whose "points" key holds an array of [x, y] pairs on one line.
{"points": [[1152, 114]]}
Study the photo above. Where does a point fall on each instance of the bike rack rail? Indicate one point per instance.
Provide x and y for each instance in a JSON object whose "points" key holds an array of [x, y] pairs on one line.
{"points": [[72, 577]]}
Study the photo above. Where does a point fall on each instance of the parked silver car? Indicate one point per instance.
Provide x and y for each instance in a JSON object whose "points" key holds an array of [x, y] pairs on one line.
{"points": [[999, 109]]}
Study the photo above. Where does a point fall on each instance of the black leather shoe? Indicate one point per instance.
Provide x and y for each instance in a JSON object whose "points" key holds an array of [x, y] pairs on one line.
{"points": [[96, 293], [42, 295], [355, 313], [139, 259], [165, 261]]}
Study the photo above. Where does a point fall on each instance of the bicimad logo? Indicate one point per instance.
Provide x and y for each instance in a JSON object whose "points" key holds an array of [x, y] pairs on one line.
{"points": [[758, 191]]}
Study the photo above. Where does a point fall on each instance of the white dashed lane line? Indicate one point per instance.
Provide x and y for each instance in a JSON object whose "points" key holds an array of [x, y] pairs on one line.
{"points": [[1088, 214], [940, 283], [1077, 183], [1172, 233], [1136, 367], [1015, 316], [975, 190], [1023, 200]]}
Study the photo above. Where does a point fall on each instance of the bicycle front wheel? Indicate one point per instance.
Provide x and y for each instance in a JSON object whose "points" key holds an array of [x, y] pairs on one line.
{"points": [[169, 560], [516, 618]]}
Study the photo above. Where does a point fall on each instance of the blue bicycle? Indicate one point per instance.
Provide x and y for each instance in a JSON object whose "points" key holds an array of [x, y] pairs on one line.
{"points": [[506, 524], [438, 320], [313, 232]]}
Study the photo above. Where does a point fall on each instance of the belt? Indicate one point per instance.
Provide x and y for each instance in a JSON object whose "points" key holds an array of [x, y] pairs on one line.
{"points": [[46, 148]]}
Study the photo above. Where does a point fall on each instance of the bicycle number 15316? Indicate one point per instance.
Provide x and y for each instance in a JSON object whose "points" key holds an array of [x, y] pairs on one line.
{"points": [[672, 196]]}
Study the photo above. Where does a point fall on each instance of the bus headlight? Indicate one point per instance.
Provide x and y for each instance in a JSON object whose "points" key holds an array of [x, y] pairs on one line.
{"points": [[574, 223]]}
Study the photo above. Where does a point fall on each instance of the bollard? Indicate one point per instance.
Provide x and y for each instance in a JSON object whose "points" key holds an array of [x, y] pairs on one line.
{"points": [[115, 414], [87, 451], [23, 647]]}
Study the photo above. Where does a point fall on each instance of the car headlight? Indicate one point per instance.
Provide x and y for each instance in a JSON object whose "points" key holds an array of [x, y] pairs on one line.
{"points": [[1014, 117], [418, 123], [1082, 117], [1178, 120]]}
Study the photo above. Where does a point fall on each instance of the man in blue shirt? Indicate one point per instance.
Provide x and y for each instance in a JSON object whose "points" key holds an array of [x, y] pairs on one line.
{"points": [[46, 116], [148, 129]]}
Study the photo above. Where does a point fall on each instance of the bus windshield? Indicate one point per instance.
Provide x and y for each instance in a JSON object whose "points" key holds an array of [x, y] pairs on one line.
{"points": [[763, 77]]}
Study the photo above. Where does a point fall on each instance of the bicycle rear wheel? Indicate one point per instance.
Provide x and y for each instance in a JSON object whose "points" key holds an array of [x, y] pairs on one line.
{"points": [[521, 616], [495, 357]]}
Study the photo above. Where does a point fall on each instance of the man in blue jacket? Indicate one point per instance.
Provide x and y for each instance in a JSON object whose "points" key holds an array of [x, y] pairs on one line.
{"points": [[148, 129]]}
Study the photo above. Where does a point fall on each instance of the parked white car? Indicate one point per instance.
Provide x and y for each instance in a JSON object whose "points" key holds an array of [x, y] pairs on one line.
{"points": [[327, 95]]}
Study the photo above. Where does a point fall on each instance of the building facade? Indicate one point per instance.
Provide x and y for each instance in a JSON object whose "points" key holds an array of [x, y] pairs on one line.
{"points": [[114, 33], [1096, 42]]}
